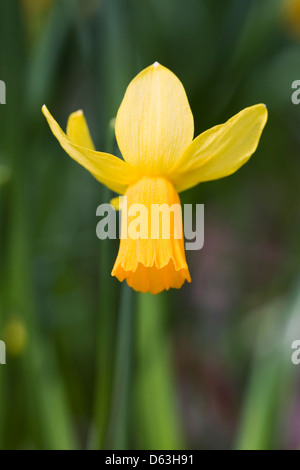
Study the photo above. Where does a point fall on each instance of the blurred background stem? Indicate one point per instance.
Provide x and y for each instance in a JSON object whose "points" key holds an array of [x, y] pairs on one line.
{"points": [[273, 376], [114, 330], [235, 379], [118, 430], [155, 409], [43, 396], [106, 322]]}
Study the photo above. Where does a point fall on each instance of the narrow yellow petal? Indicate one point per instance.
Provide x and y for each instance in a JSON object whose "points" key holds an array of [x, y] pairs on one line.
{"points": [[154, 124], [78, 131], [220, 151], [108, 169], [155, 260]]}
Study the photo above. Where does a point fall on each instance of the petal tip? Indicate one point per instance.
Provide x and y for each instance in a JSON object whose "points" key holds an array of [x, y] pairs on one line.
{"points": [[156, 64]]}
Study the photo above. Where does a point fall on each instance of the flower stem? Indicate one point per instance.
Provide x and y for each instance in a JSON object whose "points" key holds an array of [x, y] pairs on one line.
{"points": [[119, 418], [105, 328]]}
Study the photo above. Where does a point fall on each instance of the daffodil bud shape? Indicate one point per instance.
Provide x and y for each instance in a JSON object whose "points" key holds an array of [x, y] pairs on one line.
{"points": [[155, 134]]}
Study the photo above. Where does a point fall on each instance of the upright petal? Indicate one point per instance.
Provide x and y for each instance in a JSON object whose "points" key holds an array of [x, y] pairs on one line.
{"points": [[108, 169], [154, 123], [220, 151]]}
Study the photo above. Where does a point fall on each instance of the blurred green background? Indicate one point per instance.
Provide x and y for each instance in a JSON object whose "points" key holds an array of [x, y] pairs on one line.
{"points": [[90, 363]]}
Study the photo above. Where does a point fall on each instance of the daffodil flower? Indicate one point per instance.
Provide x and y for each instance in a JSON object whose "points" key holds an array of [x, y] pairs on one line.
{"points": [[155, 130]]}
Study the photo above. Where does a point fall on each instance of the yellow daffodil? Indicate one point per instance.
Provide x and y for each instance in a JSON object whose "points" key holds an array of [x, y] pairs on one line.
{"points": [[154, 131], [15, 337]]}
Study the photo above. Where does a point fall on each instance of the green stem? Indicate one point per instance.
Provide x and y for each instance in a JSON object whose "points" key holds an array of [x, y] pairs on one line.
{"points": [[156, 405], [113, 367], [119, 65], [273, 375], [105, 328], [43, 399], [118, 426]]}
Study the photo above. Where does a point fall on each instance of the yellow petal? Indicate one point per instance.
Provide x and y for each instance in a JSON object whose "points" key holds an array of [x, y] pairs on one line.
{"points": [[154, 124], [78, 131], [220, 151], [155, 261], [108, 169]]}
